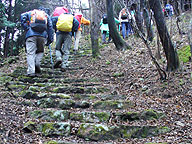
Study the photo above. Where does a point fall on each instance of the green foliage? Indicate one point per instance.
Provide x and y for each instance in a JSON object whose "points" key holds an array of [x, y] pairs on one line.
{"points": [[3, 19], [184, 53], [108, 62], [5, 23]]}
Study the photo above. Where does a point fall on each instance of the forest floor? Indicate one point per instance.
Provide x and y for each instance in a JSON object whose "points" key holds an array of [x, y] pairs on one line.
{"points": [[130, 73]]}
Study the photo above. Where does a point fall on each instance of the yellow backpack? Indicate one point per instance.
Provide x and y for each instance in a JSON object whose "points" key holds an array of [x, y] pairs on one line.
{"points": [[65, 22]]}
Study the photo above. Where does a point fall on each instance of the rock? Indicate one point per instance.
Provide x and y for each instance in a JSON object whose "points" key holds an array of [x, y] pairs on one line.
{"points": [[50, 129], [110, 104], [90, 117], [66, 104], [29, 127], [47, 103], [29, 94], [97, 132], [151, 114], [180, 123], [51, 115], [83, 104]]}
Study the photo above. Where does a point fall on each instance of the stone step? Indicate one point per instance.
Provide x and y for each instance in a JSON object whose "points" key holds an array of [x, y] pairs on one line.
{"points": [[96, 116], [100, 132], [69, 103], [94, 132], [53, 79], [61, 104], [60, 142], [68, 89], [49, 68], [48, 128], [80, 90], [64, 87]]}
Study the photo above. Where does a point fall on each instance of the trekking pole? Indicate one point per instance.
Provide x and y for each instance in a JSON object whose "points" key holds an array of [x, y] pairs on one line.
{"points": [[51, 56]]}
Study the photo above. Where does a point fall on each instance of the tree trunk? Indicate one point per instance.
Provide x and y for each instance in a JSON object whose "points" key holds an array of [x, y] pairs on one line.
{"points": [[147, 20], [182, 5], [138, 17], [176, 8], [118, 41], [6, 43], [158, 54], [171, 54], [94, 29], [0, 45]]}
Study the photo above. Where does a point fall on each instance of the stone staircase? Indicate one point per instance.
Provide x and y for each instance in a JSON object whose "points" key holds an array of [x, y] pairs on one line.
{"points": [[85, 108]]}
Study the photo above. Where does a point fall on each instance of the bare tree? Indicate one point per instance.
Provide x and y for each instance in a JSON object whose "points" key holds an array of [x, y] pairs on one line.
{"points": [[171, 54], [147, 19], [8, 30], [94, 29], [138, 16], [118, 41]]}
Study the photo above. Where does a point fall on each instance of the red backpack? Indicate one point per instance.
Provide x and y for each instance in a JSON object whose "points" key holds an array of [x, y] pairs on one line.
{"points": [[60, 10], [78, 16]]}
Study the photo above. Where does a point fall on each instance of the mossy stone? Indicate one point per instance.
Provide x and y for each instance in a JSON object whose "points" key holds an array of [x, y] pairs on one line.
{"points": [[98, 132], [102, 116], [110, 104], [76, 117], [29, 127], [66, 104], [16, 87], [51, 142], [47, 103], [4, 79], [118, 74], [151, 114], [34, 88]]}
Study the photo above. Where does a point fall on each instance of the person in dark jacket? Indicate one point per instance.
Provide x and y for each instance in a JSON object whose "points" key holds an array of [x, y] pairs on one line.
{"points": [[63, 43], [35, 40]]}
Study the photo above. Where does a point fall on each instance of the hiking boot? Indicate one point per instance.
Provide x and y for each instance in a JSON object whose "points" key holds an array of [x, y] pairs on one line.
{"points": [[37, 69], [32, 75], [75, 52], [58, 64], [63, 69]]}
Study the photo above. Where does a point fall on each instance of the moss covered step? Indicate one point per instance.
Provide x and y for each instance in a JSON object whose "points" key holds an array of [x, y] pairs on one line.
{"points": [[28, 94], [68, 103], [94, 117], [81, 90], [149, 114], [100, 132], [4, 78], [16, 87], [31, 80], [67, 80], [68, 68], [50, 115], [58, 142], [48, 129], [61, 104], [112, 104], [63, 115]]}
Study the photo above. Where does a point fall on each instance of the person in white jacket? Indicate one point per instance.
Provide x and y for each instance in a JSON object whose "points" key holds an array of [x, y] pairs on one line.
{"points": [[124, 17]]}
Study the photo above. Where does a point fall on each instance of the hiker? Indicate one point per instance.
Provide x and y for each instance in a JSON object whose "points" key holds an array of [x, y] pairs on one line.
{"points": [[169, 10], [64, 24], [39, 32], [105, 28], [81, 20], [125, 20]]}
